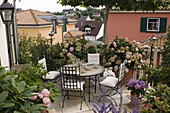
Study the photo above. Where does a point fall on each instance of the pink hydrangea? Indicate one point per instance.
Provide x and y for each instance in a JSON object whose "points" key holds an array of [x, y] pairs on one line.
{"points": [[45, 93], [46, 101], [40, 95], [34, 97]]}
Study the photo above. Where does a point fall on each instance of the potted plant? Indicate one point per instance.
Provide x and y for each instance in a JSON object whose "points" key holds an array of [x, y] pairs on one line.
{"points": [[137, 88]]}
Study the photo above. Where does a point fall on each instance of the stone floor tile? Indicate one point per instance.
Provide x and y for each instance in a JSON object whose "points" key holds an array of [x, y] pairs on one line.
{"points": [[73, 106]]}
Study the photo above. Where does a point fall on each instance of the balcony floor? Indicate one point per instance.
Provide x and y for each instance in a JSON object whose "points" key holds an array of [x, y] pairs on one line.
{"points": [[73, 104]]}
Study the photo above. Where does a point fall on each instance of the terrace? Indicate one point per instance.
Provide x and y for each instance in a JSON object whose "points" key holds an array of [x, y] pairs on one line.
{"points": [[29, 89]]}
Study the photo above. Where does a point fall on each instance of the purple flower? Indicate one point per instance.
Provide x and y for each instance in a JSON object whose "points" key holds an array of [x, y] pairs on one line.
{"points": [[137, 86], [131, 83], [142, 83]]}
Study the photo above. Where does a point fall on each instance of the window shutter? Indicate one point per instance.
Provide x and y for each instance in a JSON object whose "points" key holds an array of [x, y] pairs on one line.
{"points": [[143, 24], [163, 22]]}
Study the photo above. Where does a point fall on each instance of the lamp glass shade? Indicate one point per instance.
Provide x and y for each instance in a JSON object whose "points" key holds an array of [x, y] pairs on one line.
{"points": [[6, 11]]}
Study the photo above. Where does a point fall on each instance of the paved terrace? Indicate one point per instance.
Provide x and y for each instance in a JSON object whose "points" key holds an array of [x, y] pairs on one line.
{"points": [[73, 104]]}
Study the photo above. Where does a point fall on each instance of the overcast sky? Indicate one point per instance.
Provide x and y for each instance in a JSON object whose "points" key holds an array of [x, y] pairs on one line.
{"points": [[41, 5]]}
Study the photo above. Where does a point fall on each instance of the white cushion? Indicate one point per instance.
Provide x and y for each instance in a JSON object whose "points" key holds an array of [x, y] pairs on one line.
{"points": [[52, 75], [109, 81], [108, 73]]}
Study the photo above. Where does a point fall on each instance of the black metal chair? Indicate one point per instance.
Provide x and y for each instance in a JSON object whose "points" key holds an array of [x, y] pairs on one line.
{"points": [[111, 85], [71, 82]]}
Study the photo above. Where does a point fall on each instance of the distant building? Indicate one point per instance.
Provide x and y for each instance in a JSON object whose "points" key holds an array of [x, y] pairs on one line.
{"points": [[82, 20], [137, 25], [32, 22], [93, 30], [69, 12]]}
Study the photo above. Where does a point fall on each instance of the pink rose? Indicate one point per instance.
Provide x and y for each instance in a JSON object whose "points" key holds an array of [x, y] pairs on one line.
{"points": [[46, 101], [40, 95], [34, 97], [45, 93]]}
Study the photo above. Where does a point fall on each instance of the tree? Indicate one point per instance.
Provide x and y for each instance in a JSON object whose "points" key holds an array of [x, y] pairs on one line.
{"points": [[119, 4]]}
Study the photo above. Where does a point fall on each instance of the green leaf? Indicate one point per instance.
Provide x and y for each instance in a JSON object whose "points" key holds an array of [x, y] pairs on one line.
{"points": [[13, 83], [2, 77], [21, 86], [2, 71], [27, 105], [8, 105], [3, 96], [17, 112], [37, 107], [9, 77], [30, 89]]}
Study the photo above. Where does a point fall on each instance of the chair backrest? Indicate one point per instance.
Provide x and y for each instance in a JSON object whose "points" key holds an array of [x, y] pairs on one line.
{"points": [[121, 71], [43, 62], [70, 77], [93, 58]]}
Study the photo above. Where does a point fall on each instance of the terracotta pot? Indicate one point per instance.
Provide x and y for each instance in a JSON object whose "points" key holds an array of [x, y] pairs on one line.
{"points": [[131, 104], [44, 111], [133, 97], [127, 76]]}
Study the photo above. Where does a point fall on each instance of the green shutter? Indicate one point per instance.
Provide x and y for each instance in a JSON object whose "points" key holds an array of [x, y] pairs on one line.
{"points": [[163, 22], [143, 24]]}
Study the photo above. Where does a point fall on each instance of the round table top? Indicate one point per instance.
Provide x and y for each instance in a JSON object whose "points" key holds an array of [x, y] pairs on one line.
{"points": [[91, 70], [87, 70]]}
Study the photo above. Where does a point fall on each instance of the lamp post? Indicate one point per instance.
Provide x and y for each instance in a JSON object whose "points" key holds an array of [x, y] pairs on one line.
{"points": [[152, 39], [51, 34], [7, 12]]}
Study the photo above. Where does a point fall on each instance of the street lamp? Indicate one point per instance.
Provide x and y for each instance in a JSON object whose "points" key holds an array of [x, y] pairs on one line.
{"points": [[51, 34], [152, 39], [7, 12]]}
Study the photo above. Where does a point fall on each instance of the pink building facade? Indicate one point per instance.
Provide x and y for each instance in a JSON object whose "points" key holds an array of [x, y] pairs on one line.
{"points": [[137, 25]]}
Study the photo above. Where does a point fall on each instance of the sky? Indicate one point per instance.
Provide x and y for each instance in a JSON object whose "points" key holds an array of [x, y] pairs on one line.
{"points": [[41, 5]]}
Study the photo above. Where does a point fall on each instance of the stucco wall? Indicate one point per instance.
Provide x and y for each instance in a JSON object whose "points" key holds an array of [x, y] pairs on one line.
{"points": [[44, 31], [128, 25]]}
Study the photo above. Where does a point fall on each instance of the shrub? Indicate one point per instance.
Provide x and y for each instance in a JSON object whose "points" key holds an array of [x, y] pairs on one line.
{"points": [[157, 100]]}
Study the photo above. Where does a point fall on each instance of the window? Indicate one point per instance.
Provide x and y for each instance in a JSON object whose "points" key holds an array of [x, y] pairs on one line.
{"points": [[153, 24], [88, 30]]}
